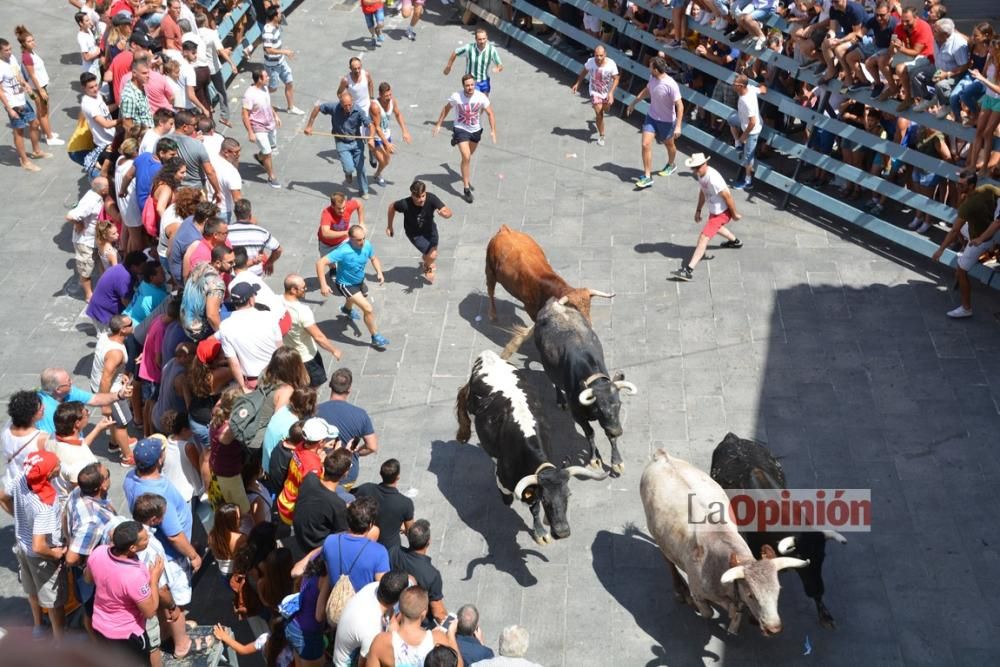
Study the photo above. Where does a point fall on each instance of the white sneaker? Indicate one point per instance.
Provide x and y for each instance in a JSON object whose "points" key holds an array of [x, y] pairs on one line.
{"points": [[600, 141], [915, 223], [55, 141], [760, 44], [922, 229], [295, 111], [960, 313]]}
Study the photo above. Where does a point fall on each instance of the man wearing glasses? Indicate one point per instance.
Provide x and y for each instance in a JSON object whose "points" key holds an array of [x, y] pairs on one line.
{"points": [[304, 336], [57, 387], [873, 50], [351, 259]]}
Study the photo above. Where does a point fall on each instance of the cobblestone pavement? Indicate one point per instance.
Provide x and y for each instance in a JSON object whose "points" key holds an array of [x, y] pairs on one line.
{"points": [[832, 348]]}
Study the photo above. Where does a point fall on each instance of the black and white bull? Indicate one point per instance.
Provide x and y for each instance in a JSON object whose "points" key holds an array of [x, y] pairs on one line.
{"points": [[738, 463], [511, 434], [574, 362]]}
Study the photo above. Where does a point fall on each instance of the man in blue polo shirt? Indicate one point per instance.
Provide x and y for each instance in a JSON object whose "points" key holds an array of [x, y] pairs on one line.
{"points": [[351, 258], [56, 388]]}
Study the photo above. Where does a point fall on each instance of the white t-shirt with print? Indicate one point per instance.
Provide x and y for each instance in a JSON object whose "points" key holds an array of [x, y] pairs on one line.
{"points": [[467, 110], [95, 107], [748, 108], [601, 77], [10, 81], [712, 185]]}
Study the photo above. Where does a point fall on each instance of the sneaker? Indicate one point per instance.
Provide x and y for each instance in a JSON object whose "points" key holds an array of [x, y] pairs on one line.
{"points": [[374, 43], [411, 34], [350, 312], [600, 140], [380, 181], [295, 111], [274, 183], [472, 187], [380, 38], [644, 182], [959, 313], [922, 229], [366, 196], [760, 44], [735, 244], [378, 340], [684, 273], [468, 195], [743, 185], [667, 170], [915, 223], [55, 141]]}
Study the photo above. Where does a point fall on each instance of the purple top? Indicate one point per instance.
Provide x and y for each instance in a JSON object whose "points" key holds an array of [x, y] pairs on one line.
{"points": [[663, 93], [224, 460], [112, 293], [306, 615]]}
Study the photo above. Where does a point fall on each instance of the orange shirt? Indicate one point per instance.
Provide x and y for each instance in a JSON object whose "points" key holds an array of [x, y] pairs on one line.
{"points": [[304, 461]]}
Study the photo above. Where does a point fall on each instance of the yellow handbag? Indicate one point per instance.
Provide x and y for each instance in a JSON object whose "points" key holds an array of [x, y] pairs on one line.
{"points": [[81, 139]]}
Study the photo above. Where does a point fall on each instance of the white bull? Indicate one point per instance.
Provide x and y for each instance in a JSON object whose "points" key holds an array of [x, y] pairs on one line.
{"points": [[719, 565]]}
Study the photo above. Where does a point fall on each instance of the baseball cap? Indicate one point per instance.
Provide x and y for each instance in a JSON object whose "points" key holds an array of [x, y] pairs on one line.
{"points": [[38, 466], [140, 39], [209, 349], [241, 293], [121, 18], [147, 452], [318, 429]]}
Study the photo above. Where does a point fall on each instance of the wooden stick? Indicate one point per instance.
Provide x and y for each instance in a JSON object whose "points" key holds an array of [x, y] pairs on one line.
{"points": [[336, 136]]}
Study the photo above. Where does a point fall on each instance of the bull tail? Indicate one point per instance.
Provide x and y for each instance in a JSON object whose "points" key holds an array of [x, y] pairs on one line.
{"points": [[462, 412], [517, 340]]}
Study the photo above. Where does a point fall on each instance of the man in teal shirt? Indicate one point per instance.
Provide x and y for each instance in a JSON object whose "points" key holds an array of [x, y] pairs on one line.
{"points": [[56, 388], [351, 258]]}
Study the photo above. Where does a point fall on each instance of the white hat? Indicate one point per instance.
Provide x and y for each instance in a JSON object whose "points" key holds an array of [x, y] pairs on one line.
{"points": [[696, 160], [317, 430]]}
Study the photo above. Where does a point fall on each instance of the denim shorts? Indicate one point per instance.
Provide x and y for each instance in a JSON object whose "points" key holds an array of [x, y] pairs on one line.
{"points": [[26, 116], [663, 130], [926, 179], [307, 645], [757, 15], [280, 72], [377, 17]]}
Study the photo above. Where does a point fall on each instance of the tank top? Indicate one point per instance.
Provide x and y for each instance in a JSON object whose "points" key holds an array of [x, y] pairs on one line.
{"points": [[105, 345], [384, 118], [41, 73], [411, 656], [254, 492], [991, 74], [9, 446], [179, 471], [359, 91], [168, 218], [978, 62]]}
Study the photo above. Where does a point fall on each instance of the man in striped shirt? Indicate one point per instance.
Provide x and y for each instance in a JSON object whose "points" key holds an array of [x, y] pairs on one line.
{"points": [[262, 248], [479, 56], [276, 59]]}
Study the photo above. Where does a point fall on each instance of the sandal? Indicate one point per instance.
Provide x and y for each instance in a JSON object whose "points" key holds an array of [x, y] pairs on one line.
{"points": [[198, 645]]}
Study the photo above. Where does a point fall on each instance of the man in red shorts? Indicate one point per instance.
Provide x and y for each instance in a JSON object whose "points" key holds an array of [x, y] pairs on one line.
{"points": [[721, 211]]}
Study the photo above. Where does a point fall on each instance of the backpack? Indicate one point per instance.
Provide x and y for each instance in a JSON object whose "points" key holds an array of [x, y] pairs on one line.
{"points": [[343, 590], [251, 413]]}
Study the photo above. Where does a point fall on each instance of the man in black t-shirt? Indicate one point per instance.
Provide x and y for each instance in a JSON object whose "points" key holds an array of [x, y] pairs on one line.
{"points": [[395, 511], [319, 510], [418, 223], [415, 562]]}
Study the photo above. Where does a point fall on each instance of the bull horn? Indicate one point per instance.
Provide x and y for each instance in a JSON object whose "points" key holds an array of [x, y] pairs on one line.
{"points": [[834, 535], [786, 546], [563, 300], [606, 295], [523, 485], [587, 397], [627, 386], [732, 574], [783, 562], [580, 472]]}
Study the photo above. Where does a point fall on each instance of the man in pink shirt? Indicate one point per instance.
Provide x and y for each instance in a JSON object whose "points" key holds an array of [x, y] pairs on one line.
{"points": [[158, 91], [214, 234], [126, 591]]}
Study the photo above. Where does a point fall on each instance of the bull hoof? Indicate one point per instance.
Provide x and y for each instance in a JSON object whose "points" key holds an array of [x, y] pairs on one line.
{"points": [[596, 463], [542, 540], [617, 469]]}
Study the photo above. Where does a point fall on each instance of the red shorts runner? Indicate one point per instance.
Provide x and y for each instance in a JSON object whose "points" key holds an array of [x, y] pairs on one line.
{"points": [[715, 223]]}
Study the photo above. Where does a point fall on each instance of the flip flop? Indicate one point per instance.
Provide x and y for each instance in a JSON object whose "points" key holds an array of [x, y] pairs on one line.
{"points": [[198, 645]]}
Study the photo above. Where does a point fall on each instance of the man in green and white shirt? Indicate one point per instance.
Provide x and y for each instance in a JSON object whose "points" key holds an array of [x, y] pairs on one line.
{"points": [[479, 56]]}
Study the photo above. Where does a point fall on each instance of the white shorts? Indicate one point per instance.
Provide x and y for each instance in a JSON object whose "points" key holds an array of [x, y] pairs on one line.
{"points": [[178, 572], [969, 256], [266, 141]]}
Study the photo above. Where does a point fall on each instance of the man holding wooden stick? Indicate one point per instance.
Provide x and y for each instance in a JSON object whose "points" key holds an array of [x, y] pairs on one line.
{"points": [[352, 129]]}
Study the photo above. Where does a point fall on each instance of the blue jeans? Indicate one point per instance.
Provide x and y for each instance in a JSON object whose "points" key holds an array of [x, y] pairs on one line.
{"points": [[967, 92], [352, 158]]}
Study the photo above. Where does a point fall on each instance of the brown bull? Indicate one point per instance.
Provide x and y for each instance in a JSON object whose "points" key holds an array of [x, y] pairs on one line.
{"points": [[518, 263]]}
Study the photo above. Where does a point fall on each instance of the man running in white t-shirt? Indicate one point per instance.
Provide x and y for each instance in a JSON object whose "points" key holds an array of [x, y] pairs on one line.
{"points": [[721, 211], [604, 76], [469, 104]]}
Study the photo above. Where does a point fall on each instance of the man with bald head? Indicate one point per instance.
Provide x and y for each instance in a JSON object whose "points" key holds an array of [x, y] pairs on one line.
{"points": [[353, 129], [56, 387], [84, 219], [305, 336], [603, 73]]}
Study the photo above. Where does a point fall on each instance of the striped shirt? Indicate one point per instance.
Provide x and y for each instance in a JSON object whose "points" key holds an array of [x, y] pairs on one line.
{"points": [[477, 63], [254, 238], [271, 37], [33, 517], [87, 521], [135, 106]]}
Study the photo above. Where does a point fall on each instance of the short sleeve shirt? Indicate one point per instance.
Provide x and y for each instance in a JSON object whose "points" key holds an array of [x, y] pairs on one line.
{"points": [[351, 262], [747, 107], [10, 80], [135, 106], [979, 208], [468, 109], [420, 568], [712, 184], [393, 510], [85, 40], [663, 95], [330, 220], [92, 108], [418, 220], [47, 423], [297, 337], [176, 519], [195, 156], [882, 36], [257, 102], [852, 16], [921, 34], [368, 558], [601, 77], [121, 584]]}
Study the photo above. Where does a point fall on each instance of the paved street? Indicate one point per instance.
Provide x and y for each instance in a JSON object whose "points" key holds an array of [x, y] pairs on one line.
{"points": [[829, 346]]}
